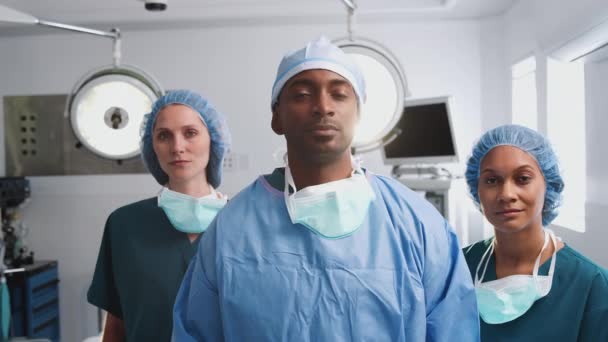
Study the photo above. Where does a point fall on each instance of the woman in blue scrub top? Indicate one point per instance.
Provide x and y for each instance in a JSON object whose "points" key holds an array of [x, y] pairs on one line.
{"points": [[147, 245], [530, 285]]}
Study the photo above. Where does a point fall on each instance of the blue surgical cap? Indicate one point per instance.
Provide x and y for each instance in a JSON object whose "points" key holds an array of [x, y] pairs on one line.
{"points": [[528, 141], [319, 54], [213, 120]]}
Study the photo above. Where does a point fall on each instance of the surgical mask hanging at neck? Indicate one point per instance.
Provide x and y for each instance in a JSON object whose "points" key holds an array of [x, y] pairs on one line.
{"points": [[332, 210], [190, 214], [504, 300]]}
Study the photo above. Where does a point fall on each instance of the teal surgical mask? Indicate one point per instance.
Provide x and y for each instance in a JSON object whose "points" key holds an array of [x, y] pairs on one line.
{"points": [[503, 300], [332, 210], [190, 214]]}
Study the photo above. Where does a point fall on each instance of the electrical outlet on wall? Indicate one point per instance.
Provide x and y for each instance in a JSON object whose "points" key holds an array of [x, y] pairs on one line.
{"points": [[235, 161], [229, 161]]}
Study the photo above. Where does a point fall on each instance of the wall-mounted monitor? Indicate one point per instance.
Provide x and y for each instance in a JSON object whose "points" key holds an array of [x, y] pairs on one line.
{"points": [[427, 135]]}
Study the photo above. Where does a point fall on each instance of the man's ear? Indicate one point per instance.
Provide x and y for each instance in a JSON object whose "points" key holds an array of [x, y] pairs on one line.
{"points": [[276, 123]]}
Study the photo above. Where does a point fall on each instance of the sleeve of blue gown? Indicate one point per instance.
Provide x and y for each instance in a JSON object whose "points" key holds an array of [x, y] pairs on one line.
{"points": [[450, 296], [594, 325], [196, 313]]}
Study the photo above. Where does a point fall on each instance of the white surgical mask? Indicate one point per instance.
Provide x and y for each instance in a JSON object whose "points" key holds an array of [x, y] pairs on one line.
{"points": [[332, 210], [505, 299], [190, 214]]}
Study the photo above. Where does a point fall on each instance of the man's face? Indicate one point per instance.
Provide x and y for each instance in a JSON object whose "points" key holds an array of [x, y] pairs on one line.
{"points": [[317, 111]]}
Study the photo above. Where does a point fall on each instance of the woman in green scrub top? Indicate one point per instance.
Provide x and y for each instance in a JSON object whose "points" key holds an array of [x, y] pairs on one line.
{"points": [[530, 285], [147, 245]]}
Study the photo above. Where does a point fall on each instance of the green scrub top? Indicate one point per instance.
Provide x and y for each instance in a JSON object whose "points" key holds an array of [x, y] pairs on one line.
{"points": [[576, 308], [141, 263]]}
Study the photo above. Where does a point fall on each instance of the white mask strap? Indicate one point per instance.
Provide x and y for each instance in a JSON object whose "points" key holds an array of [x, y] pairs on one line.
{"points": [[289, 181], [355, 164], [554, 256], [537, 262], [543, 290], [488, 252], [548, 235]]}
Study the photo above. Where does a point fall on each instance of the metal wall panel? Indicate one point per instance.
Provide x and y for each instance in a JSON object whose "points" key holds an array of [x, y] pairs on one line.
{"points": [[39, 141]]}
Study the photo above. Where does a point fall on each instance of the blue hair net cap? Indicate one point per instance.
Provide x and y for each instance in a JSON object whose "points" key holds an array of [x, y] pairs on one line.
{"points": [[213, 120], [319, 54], [534, 144]]}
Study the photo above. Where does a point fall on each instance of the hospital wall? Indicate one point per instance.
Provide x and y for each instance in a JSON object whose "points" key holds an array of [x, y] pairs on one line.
{"points": [[538, 27], [234, 66]]}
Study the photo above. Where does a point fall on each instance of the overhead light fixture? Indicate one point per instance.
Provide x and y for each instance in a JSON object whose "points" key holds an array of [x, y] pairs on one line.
{"points": [[107, 105], [386, 88], [106, 109]]}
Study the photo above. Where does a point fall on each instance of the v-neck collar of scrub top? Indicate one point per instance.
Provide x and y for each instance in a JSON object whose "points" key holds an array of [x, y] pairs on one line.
{"points": [[277, 178], [491, 270]]}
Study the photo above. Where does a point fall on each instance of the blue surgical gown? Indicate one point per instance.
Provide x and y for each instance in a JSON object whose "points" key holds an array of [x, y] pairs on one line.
{"points": [[257, 277]]}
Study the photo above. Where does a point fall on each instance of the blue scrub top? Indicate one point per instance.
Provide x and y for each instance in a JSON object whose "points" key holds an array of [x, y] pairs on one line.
{"points": [[258, 277], [575, 310]]}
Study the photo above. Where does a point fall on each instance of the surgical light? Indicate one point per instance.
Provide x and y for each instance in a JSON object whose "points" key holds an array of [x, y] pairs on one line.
{"points": [[107, 105], [386, 88]]}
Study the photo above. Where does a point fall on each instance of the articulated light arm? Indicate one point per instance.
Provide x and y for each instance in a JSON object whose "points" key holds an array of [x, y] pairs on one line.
{"points": [[350, 8], [9, 15], [67, 27]]}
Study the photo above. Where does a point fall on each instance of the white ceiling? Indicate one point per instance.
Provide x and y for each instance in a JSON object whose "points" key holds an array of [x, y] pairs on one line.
{"points": [[131, 14]]}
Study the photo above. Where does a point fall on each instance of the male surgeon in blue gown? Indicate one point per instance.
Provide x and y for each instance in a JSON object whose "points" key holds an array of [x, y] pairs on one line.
{"points": [[322, 250]]}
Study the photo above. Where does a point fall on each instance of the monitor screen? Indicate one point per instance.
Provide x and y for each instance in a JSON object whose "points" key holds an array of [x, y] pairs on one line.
{"points": [[426, 134]]}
